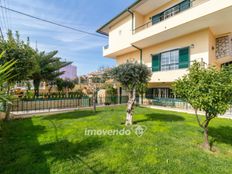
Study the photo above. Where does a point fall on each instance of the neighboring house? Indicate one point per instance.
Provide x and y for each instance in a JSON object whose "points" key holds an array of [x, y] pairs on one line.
{"points": [[167, 35], [70, 72]]}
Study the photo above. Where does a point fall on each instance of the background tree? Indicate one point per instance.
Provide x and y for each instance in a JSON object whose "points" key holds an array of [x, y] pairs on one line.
{"points": [[64, 84], [46, 69], [95, 83], [206, 89], [141, 89], [70, 85], [60, 84], [19, 51], [131, 76], [110, 89]]}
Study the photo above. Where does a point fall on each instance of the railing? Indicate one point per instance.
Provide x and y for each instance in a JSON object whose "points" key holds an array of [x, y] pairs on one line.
{"points": [[43, 104], [172, 66], [180, 104], [163, 16], [171, 102]]}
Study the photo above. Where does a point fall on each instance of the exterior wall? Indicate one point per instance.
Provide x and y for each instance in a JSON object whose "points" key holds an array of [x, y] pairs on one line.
{"points": [[139, 20], [199, 42], [212, 50], [120, 34]]}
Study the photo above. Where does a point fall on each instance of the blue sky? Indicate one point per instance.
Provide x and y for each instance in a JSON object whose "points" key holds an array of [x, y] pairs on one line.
{"points": [[84, 51]]}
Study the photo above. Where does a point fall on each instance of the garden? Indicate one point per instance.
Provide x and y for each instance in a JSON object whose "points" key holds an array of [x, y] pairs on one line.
{"points": [[116, 138], [57, 143]]}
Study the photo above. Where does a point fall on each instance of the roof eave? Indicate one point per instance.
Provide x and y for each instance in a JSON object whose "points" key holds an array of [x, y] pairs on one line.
{"points": [[124, 11]]}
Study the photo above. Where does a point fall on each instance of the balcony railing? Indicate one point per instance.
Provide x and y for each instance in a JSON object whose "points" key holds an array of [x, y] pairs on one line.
{"points": [[224, 46], [164, 15]]}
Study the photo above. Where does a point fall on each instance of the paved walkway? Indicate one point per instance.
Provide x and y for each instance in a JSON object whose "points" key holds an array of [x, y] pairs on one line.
{"points": [[189, 111]]}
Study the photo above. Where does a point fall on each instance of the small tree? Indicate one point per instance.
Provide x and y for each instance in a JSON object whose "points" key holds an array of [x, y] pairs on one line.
{"points": [[131, 76], [95, 83], [21, 52], [70, 85], [206, 89], [60, 84]]}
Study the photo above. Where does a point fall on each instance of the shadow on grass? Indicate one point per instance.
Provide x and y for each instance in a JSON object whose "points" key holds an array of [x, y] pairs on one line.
{"points": [[19, 148], [161, 117], [72, 115], [64, 150], [221, 134], [21, 152]]}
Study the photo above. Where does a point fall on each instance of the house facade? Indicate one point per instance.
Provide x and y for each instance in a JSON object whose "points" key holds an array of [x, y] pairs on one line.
{"points": [[168, 35]]}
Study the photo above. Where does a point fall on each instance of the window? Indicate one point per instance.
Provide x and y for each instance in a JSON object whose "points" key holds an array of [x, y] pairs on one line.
{"points": [[152, 93], [171, 60], [184, 5]]}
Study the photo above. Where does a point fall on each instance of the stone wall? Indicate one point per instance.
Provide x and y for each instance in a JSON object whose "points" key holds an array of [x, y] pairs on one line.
{"points": [[223, 46]]}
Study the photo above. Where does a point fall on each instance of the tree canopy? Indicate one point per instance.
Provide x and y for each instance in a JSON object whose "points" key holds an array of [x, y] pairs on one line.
{"points": [[47, 67], [131, 75], [206, 89], [19, 51]]}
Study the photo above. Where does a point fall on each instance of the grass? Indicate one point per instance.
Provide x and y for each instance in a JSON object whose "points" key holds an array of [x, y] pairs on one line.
{"points": [[57, 144]]}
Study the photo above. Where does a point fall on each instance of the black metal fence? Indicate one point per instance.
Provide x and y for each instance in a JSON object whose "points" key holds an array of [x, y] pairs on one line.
{"points": [[24, 105]]}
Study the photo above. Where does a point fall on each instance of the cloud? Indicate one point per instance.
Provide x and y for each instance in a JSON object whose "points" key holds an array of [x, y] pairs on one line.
{"points": [[84, 50]]}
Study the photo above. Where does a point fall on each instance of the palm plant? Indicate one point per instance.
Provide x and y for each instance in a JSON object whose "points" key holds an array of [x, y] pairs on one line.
{"points": [[46, 69], [5, 75]]}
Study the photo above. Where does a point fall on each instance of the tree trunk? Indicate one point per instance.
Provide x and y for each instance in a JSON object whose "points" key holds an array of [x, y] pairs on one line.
{"points": [[36, 84], [206, 144], [130, 107], [8, 105], [94, 102], [8, 109], [49, 89]]}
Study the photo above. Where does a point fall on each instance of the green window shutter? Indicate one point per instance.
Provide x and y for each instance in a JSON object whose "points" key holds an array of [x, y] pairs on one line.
{"points": [[156, 62], [184, 58]]}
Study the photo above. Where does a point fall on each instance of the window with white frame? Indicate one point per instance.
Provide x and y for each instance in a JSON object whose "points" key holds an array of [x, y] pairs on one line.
{"points": [[170, 60]]}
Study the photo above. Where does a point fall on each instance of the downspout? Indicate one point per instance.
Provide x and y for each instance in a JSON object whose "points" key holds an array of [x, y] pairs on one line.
{"points": [[133, 17], [132, 28], [141, 53]]}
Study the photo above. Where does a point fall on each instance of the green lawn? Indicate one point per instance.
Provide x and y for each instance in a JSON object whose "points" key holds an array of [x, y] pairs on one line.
{"points": [[57, 144]]}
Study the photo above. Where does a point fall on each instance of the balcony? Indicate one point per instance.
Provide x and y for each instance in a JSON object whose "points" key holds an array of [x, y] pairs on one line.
{"points": [[197, 17], [171, 12]]}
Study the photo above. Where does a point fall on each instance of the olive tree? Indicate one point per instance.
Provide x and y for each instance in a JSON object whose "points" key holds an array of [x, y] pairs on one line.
{"points": [[206, 89], [131, 76]]}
